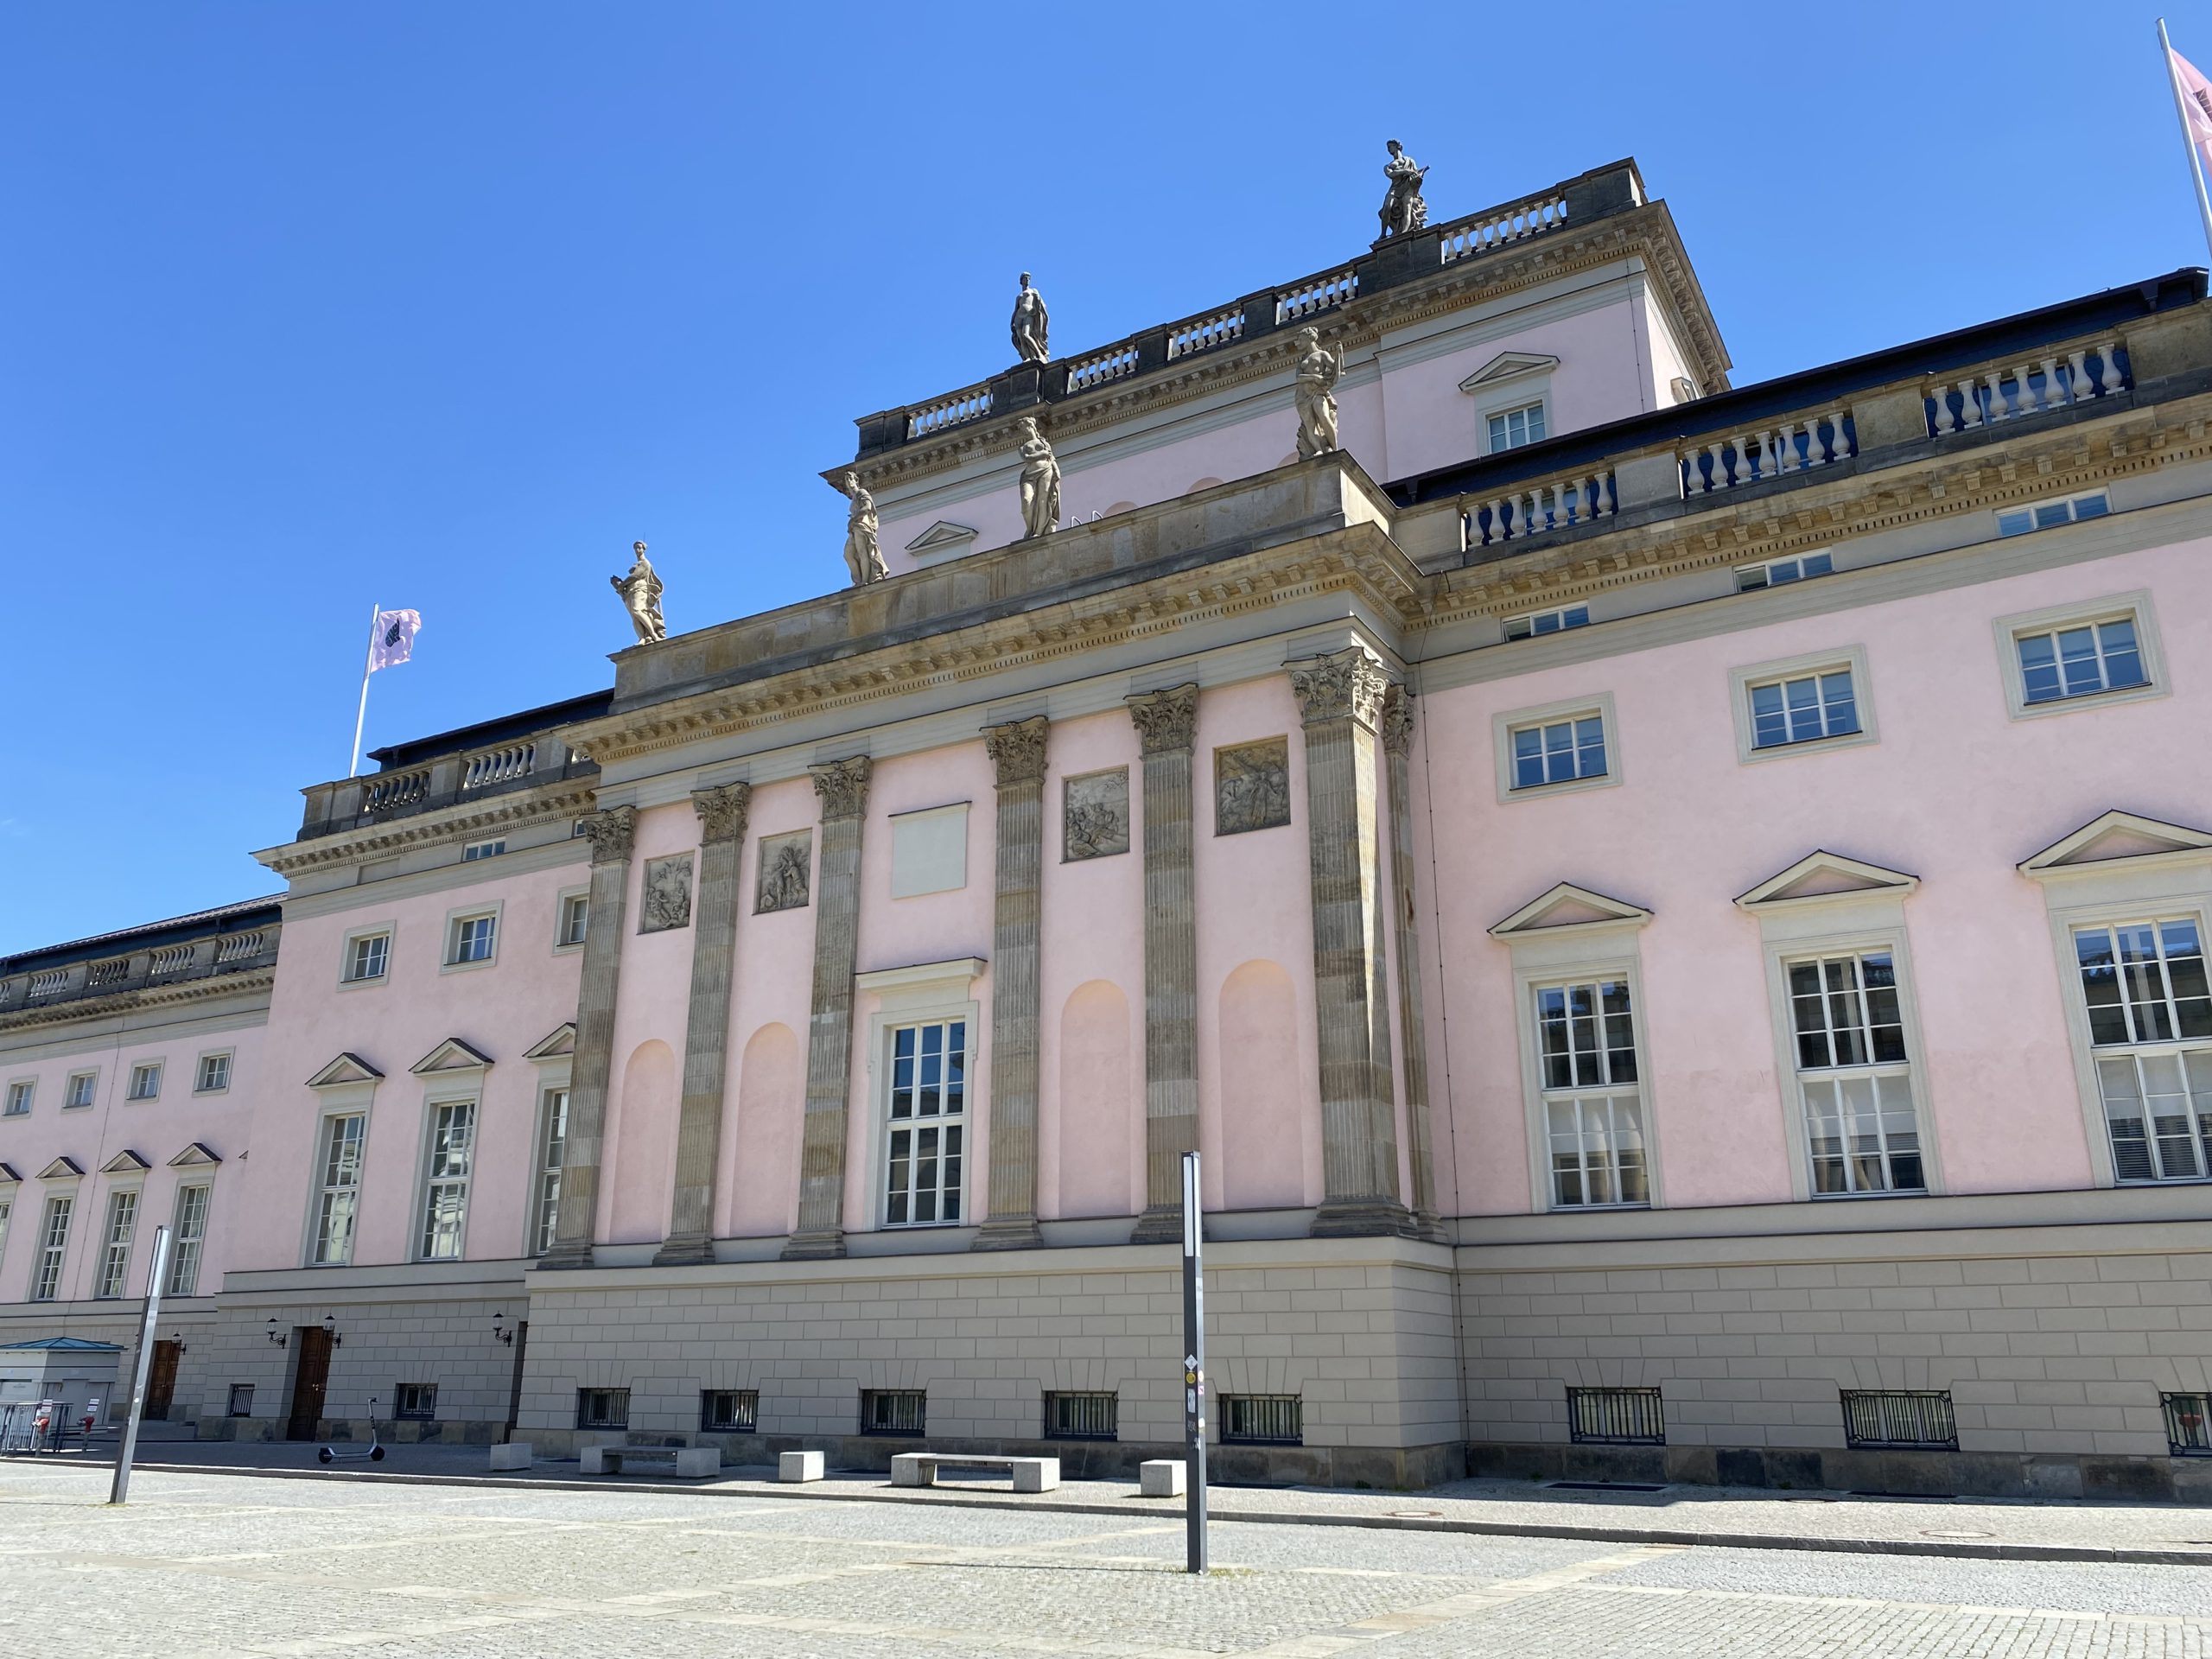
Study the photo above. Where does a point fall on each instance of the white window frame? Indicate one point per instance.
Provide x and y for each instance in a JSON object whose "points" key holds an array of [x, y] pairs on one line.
{"points": [[2067, 923], [451, 937], [7, 1214], [91, 1080], [188, 1243], [473, 851], [1519, 401], [437, 1104], [321, 1188], [1597, 978], [1504, 724], [2135, 606], [563, 902], [540, 1214], [927, 993], [1562, 611], [229, 1057], [1741, 681], [112, 1275], [389, 932], [1857, 948], [19, 1089], [2071, 502], [52, 1259], [140, 1069], [1765, 569]]}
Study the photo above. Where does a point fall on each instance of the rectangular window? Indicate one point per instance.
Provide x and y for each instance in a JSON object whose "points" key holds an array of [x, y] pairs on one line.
{"points": [[19, 1098], [894, 1411], [7, 1209], [471, 939], [1082, 1416], [146, 1081], [925, 1121], [1536, 622], [241, 1399], [2042, 515], [1263, 1420], [1585, 1046], [2080, 661], [1558, 752], [1776, 572], [1514, 427], [553, 1135], [1852, 1070], [602, 1408], [2188, 1424], [215, 1075], [477, 849], [418, 1401], [576, 916], [191, 1234], [1616, 1417], [2150, 1011], [1802, 709], [367, 957], [445, 1198], [340, 1196], [115, 1250], [79, 1091], [53, 1246], [1882, 1417], [729, 1411]]}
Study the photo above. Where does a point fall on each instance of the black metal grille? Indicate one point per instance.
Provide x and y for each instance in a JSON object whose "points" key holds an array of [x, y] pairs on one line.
{"points": [[2188, 1424], [894, 1411], [1898, 1417], [419, 1400], [730, 1411], [241, 1399], [1082, 1416], [1262, 1419], [602, 1408], [1615, 1416]]}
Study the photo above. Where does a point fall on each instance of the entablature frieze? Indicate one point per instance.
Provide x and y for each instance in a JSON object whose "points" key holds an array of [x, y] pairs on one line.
{"points": [[570, 799]]}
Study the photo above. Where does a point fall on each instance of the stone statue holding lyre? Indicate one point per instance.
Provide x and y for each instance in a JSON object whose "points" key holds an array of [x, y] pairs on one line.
{"points": [[1403, 211], [1318, 370], [640, 592]]}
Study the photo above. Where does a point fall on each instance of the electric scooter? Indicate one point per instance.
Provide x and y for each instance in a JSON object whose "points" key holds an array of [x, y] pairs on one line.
{"points": [[373, 1454]]}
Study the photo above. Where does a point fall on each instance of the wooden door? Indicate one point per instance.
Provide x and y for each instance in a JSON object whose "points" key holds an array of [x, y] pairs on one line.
{"points": [[161, 1382], [312, 1343], [514, 1399]]}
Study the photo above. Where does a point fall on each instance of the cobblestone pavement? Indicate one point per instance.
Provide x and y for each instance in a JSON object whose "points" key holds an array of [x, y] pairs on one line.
{"points": [[200, 1564]]}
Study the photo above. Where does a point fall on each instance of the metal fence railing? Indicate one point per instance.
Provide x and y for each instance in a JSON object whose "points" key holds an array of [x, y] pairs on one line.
{"points": [[2188, 1424], [729, 1411], [1262, 1419], [1879, 1417], [894, 1411], [1615, 1416], [1082, 1416]]}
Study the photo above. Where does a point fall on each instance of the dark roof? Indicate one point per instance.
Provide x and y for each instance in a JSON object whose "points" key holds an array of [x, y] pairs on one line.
{"points": [[487, 733], [240, 917]]}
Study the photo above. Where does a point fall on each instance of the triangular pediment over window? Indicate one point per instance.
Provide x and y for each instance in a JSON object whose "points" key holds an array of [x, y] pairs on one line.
{"points": [[557, 1043], [451, 1055], [198, 1155], [8, 1176], [61, 1169], [1569, 906], [1507, 366], [2119, 835], [941, 535], [347, 1068], [1826, 875], [125, 1162]]}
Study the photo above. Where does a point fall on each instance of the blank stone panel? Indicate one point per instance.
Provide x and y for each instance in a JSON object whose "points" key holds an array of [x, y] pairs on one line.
{"points": [[929, 851]]}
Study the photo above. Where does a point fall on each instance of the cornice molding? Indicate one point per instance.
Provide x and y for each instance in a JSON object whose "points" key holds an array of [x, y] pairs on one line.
{"points": [[569, 800], [247, 981]]}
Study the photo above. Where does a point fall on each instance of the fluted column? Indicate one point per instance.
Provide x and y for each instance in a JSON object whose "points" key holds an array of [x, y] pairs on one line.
{"points": [[1017, 750], [575, 1221], [705, 1027], [1167, 723], [1397, 749], [842, 785], [1340, 696]]}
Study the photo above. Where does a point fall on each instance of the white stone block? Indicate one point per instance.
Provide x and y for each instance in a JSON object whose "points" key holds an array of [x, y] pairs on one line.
{"points": [[515, 1454], [913, 1469], [592, 1460], [1036, 1474], [1163, 1478], [799, 1465], [694, 1461]]}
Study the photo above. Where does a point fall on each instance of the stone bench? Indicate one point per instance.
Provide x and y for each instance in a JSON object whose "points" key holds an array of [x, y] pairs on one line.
{"points": [[799, 1465], [1028, 1474], [688, 1462], [515, 1454]]}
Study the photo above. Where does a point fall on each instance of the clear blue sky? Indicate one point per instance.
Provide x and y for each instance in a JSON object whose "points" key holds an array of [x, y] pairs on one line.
{"points": [[303, 307]]}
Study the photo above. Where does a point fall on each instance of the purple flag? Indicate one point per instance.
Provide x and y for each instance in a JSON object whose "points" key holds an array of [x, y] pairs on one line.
{"points": [[394, 640]]}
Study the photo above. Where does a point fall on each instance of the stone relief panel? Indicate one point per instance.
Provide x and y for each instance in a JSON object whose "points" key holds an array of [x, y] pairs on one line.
{"points": [[1095, 815], [787, 867], [1251, 786], [666, 901]]}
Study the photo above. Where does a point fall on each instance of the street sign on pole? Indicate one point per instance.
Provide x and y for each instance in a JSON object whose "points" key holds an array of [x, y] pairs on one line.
{"points": [[156, 1271], [1194, 1371]]}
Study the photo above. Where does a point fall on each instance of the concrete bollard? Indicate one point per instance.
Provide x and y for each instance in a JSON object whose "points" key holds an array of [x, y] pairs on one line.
{"points": [[1162, 1478], [799, 1465], [515, 1454]]}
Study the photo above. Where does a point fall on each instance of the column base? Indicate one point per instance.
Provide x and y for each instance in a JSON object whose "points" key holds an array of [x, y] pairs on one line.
{"points": [[684, 1250], [567, 1255], [1429, 1225], [1159, 1224], [1363, 1218], [1010, 1233], [821, 1245]]}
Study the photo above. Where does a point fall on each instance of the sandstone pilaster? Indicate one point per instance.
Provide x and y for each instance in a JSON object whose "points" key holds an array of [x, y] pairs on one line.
{"points": [[611, 833], [1017, 751], [1167, 723]]}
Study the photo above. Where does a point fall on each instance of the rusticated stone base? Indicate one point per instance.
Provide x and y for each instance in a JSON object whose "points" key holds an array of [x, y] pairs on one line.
{"points": [[822, 1244], [1364, 1219], [684, 1250], [1009, 1233], [1161, 1224], [566, 1255]]}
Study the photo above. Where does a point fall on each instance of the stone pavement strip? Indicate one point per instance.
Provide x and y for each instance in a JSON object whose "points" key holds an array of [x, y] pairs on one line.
{"points": [[249, 1565]]}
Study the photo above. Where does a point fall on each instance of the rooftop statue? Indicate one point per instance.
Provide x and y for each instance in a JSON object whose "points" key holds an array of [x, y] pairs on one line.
{"points": [[640, 592], [1402, 210], [1319, 370], [1040, 482], [1031, 324], [864, 557]]}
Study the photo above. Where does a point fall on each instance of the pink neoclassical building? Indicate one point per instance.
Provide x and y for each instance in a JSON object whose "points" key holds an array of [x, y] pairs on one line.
{"points": [[1673, 914]]}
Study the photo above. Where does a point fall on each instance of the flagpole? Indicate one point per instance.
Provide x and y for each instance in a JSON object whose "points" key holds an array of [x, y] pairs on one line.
{"points": [[2196, 161], [361, 717]]}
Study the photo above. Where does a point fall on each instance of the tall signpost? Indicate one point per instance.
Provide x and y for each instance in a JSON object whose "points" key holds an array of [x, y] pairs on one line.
{"points": [[1194, 1371], [156, 1271]]}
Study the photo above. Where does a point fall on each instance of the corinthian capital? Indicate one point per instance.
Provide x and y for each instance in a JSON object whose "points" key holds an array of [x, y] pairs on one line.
{"points": [[842, 785], [1017, 749], [610, 833], [1346, 684], [1397, 719], [1166, 720], [723, 811]]}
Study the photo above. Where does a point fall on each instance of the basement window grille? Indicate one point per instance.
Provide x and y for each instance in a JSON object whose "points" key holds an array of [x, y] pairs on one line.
{"points": [[1880, 1417], [602, 1408], [1263, 1420], [414, 1399], [729, 1411], [894, 1411], [1082, 1416], [241, 1399], [1615, 1416], [2188, 1424]]}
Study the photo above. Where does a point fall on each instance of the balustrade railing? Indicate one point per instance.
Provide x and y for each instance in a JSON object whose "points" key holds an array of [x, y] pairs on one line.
{"points": [[1500, 225], [2052, 380], [955, 411], [1084, 372], [1570, 501], [388, 794], [498, 766], [1203, 334], [51, 982], [104, 976], [1321, 294], [240, 947], [1753, 457], [169, 959]]}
